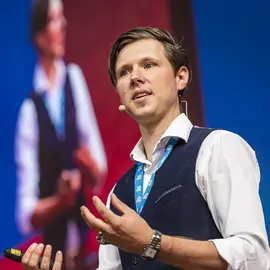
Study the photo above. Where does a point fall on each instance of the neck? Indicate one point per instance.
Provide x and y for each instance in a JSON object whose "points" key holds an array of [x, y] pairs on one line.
{"points": [[151, 133], [49, 65]]}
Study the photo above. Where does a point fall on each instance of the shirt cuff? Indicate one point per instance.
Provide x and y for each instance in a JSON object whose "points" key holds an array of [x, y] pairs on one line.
{"points": [[232, 251], [24, 214]]}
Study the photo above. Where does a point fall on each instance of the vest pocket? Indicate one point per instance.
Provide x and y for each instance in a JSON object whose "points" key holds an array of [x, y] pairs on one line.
{"points": [[169, 195]]}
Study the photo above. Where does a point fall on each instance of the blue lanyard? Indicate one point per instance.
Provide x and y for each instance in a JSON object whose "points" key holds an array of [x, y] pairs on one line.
{"points": [[140, 197], [60, 124]]}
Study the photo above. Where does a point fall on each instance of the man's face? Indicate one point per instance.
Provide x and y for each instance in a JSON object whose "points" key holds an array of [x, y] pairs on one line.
{"points": [[146, 82], [52, 40]]}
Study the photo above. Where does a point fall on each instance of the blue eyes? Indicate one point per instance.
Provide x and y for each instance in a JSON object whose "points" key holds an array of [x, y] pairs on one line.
{"points": [[125, 72], [147, 66]]}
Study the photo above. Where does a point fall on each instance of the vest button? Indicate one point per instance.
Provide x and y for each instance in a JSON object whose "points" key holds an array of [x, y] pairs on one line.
{"points": [[136, 260]]}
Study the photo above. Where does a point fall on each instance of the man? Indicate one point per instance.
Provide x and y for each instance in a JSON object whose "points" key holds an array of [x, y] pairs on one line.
{"points": [[191, 200], [58, 147]]}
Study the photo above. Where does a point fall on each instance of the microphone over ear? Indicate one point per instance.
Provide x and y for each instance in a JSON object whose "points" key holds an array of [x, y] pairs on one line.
{"points": [[122, 108]]}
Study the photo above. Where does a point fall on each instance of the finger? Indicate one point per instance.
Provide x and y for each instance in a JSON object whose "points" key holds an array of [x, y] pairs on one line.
{"points": [[33, 262], [95, 223], [65, 175], [46, 260], [75, 183], [27, 255], [119, 205], [75, 176], [58, 261], [105, 212]]}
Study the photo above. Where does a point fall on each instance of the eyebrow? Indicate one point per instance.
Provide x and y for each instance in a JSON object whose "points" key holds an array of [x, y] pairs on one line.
{"points": [[142, 60]]}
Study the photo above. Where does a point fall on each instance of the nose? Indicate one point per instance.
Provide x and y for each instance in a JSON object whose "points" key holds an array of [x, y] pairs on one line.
{"points": [[136, 77]]}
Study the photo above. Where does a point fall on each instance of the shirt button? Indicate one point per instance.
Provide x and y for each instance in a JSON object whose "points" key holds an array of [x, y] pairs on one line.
{"points": [[136, 260]]}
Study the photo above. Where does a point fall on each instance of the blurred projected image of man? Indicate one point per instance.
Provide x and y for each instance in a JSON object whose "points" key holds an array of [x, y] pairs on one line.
{"points": [[58, 147]]}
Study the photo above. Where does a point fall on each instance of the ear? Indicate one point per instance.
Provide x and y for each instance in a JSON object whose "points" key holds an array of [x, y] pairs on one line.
{"points": [[182, 76], [38, 39]]}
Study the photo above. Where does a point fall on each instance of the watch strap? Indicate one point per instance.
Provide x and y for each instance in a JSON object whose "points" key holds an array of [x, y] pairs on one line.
{"points": [[154, 246]]}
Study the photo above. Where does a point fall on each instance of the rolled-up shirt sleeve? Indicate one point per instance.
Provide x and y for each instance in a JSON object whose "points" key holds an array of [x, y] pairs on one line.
{"points": [[228, 175], [86, 118], [26, 160]]}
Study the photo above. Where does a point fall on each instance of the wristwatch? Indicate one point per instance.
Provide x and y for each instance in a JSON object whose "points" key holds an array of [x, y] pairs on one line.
{"points": [[153, 247]]}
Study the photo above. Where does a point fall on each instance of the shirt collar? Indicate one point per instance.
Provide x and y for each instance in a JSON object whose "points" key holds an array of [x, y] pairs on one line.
{"points": [[40, 80], [179, 128]]}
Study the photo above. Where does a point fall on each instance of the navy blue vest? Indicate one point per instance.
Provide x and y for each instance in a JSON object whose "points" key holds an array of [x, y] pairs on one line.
{"points": [[56, 155], [174, 206]]}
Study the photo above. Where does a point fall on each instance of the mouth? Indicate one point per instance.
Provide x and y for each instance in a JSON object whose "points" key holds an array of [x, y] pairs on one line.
{"points": [[140, 95]]}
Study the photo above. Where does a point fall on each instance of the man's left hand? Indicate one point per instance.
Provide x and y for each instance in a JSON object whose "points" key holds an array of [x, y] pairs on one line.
{"points": [[128, 232]]}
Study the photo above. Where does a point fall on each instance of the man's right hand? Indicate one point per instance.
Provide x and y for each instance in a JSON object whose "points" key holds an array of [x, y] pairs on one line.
{"points": [[69, 184], [68, 187], [32, 255]]}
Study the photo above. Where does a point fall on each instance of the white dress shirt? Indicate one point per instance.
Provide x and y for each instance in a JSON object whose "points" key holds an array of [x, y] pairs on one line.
{"points": [[227, 175], [27, 134]]}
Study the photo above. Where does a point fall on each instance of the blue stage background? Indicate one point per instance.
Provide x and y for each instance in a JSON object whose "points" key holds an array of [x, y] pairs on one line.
{"points": [[17, 68], [233, 48]]}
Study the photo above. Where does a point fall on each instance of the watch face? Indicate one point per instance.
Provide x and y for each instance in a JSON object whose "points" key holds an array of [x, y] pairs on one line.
{"points": [[150, 252]]}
